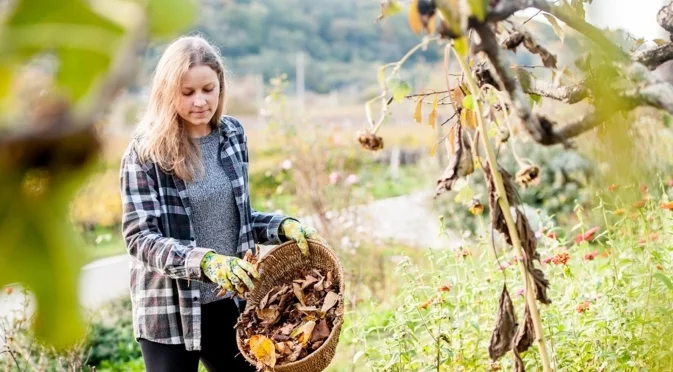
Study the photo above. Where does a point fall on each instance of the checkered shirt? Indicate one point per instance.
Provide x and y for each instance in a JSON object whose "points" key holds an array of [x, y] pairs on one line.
{"points": [[159, 237]]}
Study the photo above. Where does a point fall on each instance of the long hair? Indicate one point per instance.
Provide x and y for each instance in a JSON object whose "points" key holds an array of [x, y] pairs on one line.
{"points": [[161, 132]]}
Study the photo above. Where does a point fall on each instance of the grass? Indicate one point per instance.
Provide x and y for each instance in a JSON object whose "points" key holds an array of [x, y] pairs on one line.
{"points": [[611, 298]]}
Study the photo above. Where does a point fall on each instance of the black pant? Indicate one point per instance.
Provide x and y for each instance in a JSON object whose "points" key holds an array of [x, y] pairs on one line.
{"points": [[218, 345]]}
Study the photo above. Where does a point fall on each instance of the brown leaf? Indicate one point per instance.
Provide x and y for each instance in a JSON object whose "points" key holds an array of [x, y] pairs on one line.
{"points": [[505, 327], [541, 285], [525, 335], [418, 110], [317, 345], [331, 299], [320, 332], [265, 299], [269, 316], [296, 288], [513, 40], [296, 350], [309, 280], [320, 285], [304, 332], [548, 59], [518, 363], [527, 236], [287, 328], [460, 165], [457, 97]]}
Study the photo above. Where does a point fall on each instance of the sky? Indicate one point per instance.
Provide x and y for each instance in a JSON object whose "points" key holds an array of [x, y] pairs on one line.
{"points": [[638, 17]]}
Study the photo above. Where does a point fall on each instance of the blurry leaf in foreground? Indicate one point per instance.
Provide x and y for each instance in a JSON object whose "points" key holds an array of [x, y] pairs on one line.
{"points": [[41, 250], [169, 17], [84, 41]]}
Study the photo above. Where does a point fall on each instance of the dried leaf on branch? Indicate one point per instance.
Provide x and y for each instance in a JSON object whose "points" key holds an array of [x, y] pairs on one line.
{"points": [[505, 329], [461, 163], [525, 335], [296, 317]]}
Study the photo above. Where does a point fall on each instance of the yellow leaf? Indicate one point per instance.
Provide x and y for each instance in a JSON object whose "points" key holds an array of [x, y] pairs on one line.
{"points": [[263, 350], [418, 116], [382, 77], [660, 41], [555, 26], [462, 46], [415, 22], [431, 25], [450, 142], [433, 150], [432, 118]]}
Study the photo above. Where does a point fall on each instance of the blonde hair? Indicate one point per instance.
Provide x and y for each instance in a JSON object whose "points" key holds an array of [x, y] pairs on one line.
{"points": [[161, 132]]}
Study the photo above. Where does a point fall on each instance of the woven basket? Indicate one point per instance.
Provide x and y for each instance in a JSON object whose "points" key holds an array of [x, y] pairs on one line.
{"points": [[277, 267]]}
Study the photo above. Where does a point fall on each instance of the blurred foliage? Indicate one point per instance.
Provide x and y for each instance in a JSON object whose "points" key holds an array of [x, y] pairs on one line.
{"points": [[76, 47]]}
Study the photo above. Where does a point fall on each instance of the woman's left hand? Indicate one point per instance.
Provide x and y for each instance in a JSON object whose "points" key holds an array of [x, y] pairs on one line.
{"points": [[294, 230]]}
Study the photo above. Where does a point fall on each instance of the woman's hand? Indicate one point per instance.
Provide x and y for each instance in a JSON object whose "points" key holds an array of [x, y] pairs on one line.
{"points": [[230, 273], [294, 230]]}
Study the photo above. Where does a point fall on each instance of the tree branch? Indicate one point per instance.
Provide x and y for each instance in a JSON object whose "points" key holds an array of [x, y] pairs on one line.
{"points": [[569, 94], [654, 57], [489, 45]]}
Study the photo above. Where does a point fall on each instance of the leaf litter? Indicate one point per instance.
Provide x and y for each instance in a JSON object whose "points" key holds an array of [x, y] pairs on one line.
{"points": [[292, 320]]}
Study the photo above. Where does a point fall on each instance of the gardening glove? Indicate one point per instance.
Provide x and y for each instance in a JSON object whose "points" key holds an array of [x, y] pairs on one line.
{"points": [[294, 230], [230, 273]]}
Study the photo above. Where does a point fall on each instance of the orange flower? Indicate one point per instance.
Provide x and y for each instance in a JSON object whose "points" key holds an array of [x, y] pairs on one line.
{"points": [[670, 182], [445, 288], [590, 256], [639, 204], [9, 290], [643, 188], [654, 237], [587, 236], [425, 304], [547, 260], [605, 254], [619, 212], [659, 267], [613, 187], [667, 205], [561, 259], [463, 253], [552, 235], [584, 306]]}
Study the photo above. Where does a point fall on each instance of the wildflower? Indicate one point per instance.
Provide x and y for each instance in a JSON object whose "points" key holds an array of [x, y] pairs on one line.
{"points": [[547, 260], [426, 304], [463, 253], [286, 164], [670, 182], [582, 307], [9, 290], [639, 204], [351, 179], [505, 265], [587, 236], [552, 235], [613, 187], [520, 292], [333, 178], [561, 259], [590, 256], [619, 212], [667, 205], [659, 267], [643, 188], [445, 288], [528, 176], [605, 253]]}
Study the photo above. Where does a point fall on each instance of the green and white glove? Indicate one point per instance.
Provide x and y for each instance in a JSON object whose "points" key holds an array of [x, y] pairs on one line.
{"points": [[294, 230], [230, 273]]}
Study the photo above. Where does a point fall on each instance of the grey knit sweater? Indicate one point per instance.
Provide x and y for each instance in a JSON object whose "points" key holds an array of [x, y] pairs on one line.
{"points": [[214, 212]]}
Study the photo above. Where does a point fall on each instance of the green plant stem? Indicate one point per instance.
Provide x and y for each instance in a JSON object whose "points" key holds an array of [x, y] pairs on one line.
{"points": [[505, 207]]}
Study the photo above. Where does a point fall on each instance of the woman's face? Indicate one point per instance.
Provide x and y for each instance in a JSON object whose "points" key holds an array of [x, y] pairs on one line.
{"points": [[198, 99]]}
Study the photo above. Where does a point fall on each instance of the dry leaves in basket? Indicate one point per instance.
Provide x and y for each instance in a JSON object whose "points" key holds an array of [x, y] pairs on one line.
{"points": [[291, 321]]}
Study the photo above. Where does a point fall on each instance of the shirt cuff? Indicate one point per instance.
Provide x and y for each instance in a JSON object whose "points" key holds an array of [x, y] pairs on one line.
{"points": [[193, 264], [273, 231]]}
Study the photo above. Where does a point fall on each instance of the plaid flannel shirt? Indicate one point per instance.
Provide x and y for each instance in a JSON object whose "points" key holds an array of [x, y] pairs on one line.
{"points": [[160, 239]]}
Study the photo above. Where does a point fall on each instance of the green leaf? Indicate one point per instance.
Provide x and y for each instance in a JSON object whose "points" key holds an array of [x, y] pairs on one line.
{"points": [[83, 41], [168, 18], [468, 102], [478, 8], [399, 87], [464, 195], [555, 25], [462, 46], [664, 279], [390, 8]]}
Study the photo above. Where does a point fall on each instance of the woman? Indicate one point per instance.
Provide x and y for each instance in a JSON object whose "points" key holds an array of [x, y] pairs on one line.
{"points": [[187, 219]]}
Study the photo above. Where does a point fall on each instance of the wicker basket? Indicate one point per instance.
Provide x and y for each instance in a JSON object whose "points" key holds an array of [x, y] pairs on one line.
{"points": [[275, 268]]}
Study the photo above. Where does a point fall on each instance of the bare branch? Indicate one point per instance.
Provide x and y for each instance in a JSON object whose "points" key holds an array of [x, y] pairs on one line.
{"points": [[665, 17], [654, 57], [489, 45], [569, 94]]}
